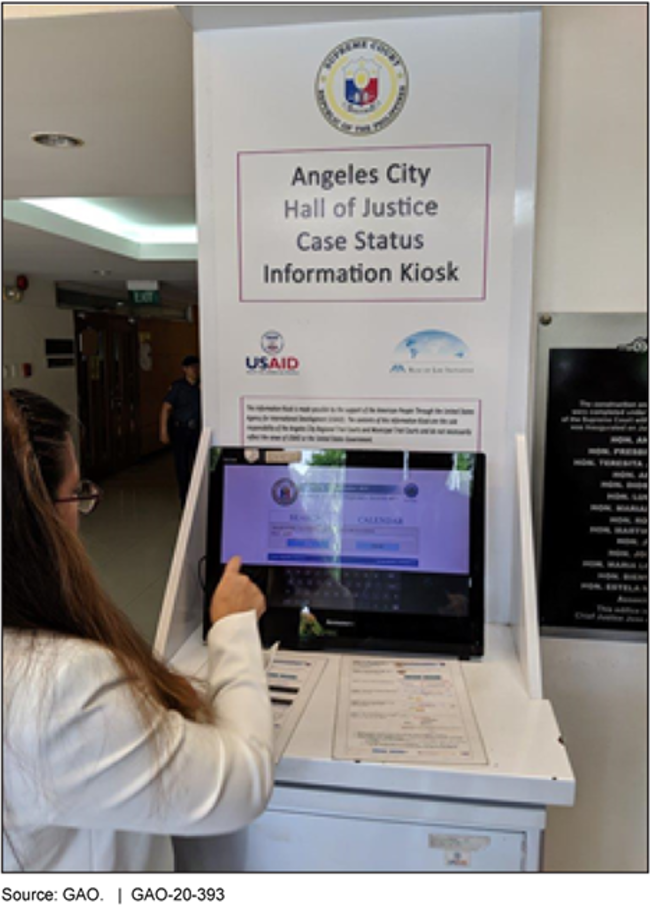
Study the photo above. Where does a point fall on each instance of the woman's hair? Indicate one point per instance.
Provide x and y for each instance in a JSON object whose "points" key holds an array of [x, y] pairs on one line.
{"points": [[48, 582]]}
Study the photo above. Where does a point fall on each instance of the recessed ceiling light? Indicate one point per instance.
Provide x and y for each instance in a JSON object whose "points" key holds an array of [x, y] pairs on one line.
{"points": [[101, 273], [56, 140]]}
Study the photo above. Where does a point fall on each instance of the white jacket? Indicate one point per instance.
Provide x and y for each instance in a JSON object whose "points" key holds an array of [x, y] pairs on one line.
{"points": [[86, 787]]}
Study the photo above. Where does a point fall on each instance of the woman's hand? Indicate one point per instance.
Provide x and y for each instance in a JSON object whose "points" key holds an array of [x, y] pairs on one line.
{"points": [[235, 594]]}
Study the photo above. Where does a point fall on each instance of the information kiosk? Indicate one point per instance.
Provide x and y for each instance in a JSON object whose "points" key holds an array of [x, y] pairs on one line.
{"points": [[355, 549], [366, 209]]}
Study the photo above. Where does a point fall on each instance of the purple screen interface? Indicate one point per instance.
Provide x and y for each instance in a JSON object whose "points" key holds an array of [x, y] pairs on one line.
{"points": [[379, 519]]}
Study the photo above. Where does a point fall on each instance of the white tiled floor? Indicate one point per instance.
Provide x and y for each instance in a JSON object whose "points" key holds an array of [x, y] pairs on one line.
{"points": [[131, 537]]}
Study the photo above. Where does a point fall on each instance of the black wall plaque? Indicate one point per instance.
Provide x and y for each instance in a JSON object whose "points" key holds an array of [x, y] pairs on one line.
{"points": [[594, 556]]}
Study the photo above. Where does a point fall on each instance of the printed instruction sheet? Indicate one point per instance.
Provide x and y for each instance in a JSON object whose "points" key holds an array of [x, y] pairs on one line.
{"points": [[291, 680], [405, 710]]}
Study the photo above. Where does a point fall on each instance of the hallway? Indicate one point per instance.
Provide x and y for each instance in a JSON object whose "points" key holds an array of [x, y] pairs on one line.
{"points": [[131, 537]]}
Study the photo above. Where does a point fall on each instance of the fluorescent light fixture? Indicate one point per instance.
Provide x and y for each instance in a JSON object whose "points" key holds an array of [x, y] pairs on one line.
{"points": [[90, 214]]}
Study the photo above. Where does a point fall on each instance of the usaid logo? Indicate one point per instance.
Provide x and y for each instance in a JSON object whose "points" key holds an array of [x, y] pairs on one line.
{"points": [[272, 363], [272, 342]]}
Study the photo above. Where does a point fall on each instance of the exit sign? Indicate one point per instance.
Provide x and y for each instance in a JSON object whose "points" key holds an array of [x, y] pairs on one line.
{"points": [[144, 297], [143, 292]]}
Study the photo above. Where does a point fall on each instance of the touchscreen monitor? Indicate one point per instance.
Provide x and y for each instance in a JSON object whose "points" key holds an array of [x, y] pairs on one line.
{"points": [[354, 548]]}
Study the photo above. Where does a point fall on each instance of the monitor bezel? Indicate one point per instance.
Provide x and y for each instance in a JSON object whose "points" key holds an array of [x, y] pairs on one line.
{"points": [[370, 630]]}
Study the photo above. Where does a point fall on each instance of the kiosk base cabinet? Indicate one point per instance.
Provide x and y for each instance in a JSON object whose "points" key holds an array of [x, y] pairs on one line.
{"points": [[345, 837], [336, 815]]}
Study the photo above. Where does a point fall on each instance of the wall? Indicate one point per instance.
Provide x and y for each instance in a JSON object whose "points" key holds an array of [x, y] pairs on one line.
{"points": [[41, 10], [591, 257], [170, 342], [26, 325]]}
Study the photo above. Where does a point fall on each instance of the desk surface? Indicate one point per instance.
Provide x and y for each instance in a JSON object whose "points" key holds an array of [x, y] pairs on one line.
{"points": [[527, 762]]}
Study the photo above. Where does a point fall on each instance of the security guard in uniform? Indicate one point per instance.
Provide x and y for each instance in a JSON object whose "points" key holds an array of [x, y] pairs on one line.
{"points": [[180, 421]]}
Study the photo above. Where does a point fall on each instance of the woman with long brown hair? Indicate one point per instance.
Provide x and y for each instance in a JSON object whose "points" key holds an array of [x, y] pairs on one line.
{"points": [[106, 750]]}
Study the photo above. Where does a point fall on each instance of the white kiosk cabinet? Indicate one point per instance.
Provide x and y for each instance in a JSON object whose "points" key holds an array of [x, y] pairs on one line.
{"points": [[442, 125], [335, 815]]}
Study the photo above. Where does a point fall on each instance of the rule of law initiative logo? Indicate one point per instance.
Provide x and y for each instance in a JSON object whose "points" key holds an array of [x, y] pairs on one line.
{"points": [[432, 352], [361, 86]]}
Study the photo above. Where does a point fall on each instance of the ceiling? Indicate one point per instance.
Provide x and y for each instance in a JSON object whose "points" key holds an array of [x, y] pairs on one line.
{"points": [[121, 80]]}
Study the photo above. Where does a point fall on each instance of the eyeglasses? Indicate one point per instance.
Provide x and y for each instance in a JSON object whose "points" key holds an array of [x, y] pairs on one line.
{"points": [[87, 497]]}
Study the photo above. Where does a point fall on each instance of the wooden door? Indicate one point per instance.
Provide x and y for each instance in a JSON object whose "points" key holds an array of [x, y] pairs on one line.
{"points": [[107, 382], [123, 378]]}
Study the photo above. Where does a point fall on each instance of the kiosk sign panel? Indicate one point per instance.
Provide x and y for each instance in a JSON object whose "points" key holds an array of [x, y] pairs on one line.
{"points": [[366, 235], [382, 224]]}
